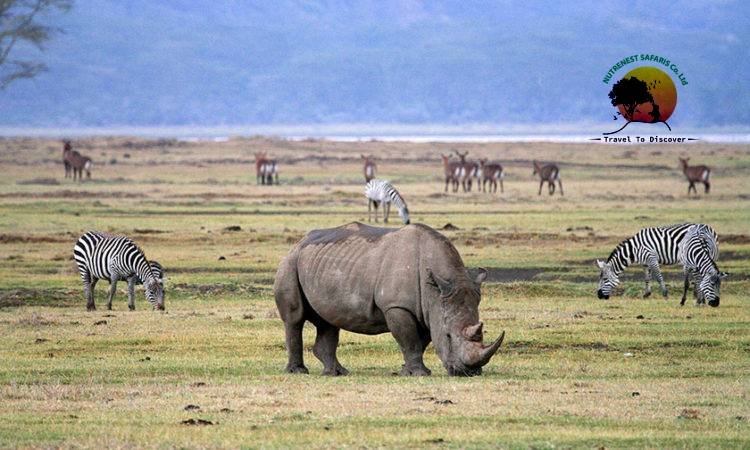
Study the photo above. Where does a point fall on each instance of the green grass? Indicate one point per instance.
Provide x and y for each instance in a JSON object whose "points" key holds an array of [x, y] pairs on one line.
{"points": [[574, 371]]}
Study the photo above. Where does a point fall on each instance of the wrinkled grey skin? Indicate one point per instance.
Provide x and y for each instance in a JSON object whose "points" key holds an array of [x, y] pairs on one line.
{"points": [[409, 281]]}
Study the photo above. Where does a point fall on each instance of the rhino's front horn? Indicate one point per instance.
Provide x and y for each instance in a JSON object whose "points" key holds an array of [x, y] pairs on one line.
{"points": [[481, 356]]}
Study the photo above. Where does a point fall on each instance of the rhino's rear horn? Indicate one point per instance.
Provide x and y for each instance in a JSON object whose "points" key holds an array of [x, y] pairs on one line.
{"points": [[474, 332]]}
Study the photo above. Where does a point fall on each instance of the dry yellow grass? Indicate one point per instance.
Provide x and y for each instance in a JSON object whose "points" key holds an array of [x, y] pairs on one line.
{"points": [[576, 371]]}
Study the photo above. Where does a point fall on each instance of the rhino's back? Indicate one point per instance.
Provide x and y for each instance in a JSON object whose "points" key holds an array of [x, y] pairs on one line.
{"points": [[347, 274]]}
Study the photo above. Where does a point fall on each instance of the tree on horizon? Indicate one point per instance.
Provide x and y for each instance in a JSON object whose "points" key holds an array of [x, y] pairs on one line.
{"points": [[18, 24]]}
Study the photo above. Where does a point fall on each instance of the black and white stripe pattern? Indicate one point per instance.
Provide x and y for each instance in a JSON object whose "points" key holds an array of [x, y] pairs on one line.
{"points": [[698, 253], [158, 271], [381, 191], [113, 258], [650, 247]]}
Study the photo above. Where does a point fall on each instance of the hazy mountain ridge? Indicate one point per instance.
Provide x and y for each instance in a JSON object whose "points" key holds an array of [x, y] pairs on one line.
{"points": [[174, 63]]}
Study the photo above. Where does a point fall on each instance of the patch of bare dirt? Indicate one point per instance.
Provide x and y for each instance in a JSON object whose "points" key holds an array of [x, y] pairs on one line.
{"points": [[16, 238], [734, 239], [39, 181], [68, 194]]}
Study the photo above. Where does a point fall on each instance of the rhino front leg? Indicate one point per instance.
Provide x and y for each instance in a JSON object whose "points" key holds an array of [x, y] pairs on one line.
{"points": [[403, 326], [326, 342]]}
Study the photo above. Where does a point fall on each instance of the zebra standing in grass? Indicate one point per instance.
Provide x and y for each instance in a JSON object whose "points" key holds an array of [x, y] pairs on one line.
{"points": [[381, 191], [698, 254], [103, 256], [649, 248]]}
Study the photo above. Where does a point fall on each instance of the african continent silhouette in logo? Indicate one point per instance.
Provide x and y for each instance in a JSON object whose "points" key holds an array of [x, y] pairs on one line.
{"points": [[645, 94]]}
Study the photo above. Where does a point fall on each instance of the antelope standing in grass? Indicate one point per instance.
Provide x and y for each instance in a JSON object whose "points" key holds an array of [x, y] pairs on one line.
{"points": [[266, 171], [491, 173], [451, 169], [67, 150], [369, 168], [469, 170], [75, 162], [549, 173], [696, 174]]}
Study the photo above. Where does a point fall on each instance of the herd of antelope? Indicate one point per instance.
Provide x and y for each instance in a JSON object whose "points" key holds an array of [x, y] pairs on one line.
{"points": [[464, 172], [461, 172]]}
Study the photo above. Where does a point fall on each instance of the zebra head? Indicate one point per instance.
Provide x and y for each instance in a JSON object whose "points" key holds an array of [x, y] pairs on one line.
{"points": [[154, 292], [608, 280], [404, 213], [709, 287]]}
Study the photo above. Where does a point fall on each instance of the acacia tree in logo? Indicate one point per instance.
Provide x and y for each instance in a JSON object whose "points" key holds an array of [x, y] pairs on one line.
{"points": [[646, 95]]}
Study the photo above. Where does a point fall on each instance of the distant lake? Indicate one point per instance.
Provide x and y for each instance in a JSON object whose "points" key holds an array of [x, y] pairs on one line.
{"points": [[385, 133]]}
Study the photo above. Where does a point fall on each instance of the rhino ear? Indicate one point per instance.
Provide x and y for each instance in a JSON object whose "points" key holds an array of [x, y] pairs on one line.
{"points": [[444, 286], [481, 276]]}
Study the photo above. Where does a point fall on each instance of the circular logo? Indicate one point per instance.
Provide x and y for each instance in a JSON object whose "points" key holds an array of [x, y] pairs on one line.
{"points": [[645, 94]]}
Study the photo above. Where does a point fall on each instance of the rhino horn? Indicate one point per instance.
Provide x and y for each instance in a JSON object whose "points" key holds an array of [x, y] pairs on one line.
{"points": [[480, 357], [474, 332]]}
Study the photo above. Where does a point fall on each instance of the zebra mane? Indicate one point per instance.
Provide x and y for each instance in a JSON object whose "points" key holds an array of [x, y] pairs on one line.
{"points": [[617, 249], [704, 247]]}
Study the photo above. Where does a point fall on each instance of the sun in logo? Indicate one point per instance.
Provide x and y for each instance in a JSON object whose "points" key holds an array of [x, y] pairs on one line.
{"points": [[645, 94]]}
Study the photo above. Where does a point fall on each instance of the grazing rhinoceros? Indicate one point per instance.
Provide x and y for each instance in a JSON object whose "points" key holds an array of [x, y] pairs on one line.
{"points": [[409, 281]]}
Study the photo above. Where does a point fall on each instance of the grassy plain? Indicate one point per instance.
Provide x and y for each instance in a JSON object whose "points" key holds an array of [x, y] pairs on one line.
{"points": [[576, 371]]}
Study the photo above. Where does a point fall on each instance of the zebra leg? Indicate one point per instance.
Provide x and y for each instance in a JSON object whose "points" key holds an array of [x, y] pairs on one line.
{"points": [[324, 349], [647, 273], [375, 205], [131, 293], [687, 286], [656, 272], [404, 328], [89, 283], [369, 210], [386, 212], [112, 290]]}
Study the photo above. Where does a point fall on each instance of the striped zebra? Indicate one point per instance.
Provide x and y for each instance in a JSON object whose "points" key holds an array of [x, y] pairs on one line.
{"points": [[114, 258], [650, 247], [698, 254], [381, 191]]}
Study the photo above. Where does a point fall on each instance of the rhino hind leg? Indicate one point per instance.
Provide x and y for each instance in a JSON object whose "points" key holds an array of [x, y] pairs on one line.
{"points": [[403, 326], [291, 305], [326, 342]]}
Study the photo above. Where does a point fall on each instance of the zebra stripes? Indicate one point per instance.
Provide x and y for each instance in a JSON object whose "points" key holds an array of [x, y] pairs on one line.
{"points": [[113, 258], [698, 254], [650, 247], [381, 191], [158, 271]]}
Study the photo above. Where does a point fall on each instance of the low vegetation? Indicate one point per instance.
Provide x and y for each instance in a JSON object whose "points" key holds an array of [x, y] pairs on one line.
{"points": [[574, 371]]}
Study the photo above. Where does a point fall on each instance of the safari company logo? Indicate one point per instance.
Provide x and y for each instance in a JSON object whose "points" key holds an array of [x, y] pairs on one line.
{"points": [[645, 94]]}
